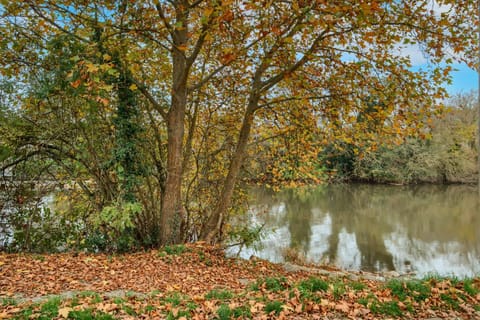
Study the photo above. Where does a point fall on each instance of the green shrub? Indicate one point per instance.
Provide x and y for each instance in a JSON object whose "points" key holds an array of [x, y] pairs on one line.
{"points": [[37, 229], [115, 224]]}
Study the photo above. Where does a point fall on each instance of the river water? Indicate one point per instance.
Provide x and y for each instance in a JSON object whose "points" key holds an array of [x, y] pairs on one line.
{"points": [[422, 229]]}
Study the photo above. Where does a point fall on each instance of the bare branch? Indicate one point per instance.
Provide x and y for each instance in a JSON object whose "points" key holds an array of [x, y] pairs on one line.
{"points": [[158, 107]]}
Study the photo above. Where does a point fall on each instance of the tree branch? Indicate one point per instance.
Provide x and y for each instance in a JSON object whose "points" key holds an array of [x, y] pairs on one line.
{"points": [[158, 107]]}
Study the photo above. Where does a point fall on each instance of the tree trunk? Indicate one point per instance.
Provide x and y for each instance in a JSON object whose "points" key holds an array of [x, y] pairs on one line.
{"points": [[212, 228], [171, 216]]}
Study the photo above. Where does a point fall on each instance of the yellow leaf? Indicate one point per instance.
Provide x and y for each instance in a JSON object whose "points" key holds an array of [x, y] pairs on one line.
{"points": [[91, 67], [208, 11], [133, 87], [63, 312]]}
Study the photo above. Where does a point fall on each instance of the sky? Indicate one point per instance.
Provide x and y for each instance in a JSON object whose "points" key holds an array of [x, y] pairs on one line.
{"points": [[464, 80]]}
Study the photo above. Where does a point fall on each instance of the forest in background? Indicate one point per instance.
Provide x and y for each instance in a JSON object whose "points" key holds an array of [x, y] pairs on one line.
{"points": [[447, 154], [147, 120]]}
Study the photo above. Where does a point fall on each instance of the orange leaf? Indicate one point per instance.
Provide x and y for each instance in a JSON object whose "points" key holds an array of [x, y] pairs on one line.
{"points": [[75, 84]]}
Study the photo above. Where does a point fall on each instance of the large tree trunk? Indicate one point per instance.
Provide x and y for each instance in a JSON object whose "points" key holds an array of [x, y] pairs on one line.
{"points": [[171, 216], [212, 229]]}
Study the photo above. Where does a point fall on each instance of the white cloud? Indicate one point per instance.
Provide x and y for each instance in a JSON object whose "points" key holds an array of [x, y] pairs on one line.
{"points": [[413, 51]]}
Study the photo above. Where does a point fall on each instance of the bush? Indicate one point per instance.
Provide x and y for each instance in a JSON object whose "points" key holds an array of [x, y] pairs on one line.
{"points": [[38, 229]]}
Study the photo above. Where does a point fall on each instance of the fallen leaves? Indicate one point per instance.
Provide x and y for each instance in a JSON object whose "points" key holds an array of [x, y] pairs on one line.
{"points": [[63, 312], [200, 283]]}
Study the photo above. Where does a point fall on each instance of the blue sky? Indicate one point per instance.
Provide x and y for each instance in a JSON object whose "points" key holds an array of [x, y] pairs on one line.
{"points": [[463, 80]]}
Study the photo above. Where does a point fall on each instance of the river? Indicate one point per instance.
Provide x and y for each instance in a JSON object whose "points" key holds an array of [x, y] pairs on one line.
{"points": [[423, 229]]}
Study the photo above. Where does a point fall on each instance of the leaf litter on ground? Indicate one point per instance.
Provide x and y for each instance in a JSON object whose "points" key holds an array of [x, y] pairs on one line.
{"points": [[196, 281]]}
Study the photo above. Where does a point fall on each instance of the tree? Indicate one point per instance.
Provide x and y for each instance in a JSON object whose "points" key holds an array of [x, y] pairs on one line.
{"points": [[237, 66]]}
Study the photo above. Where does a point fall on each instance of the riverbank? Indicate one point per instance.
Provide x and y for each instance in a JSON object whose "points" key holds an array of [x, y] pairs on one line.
{"points": [[196, 281]]}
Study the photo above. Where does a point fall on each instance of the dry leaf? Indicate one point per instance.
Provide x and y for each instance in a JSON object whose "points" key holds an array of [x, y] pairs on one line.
{"points": [[63, 312], [342, 306]]}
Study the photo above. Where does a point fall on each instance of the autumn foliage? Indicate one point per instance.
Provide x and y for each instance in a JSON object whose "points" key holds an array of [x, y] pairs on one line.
{"points": [[165, 106]]}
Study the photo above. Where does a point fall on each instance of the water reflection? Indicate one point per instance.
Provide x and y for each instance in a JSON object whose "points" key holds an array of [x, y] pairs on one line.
{"points": [[423, 229]]}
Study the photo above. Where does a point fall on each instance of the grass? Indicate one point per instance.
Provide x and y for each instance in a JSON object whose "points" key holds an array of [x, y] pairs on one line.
{"points": [[273, 297], [129, 310], [177, 314], [416, 289], [49, 309], [270, 284], [175, 299], [363, 301], [181, 306], [149, 308], [274, 306], [96, 298], [173, 250], [118, 300], [419, 290], [434, 278], [389, 308], [469, 288], [25, 314], [275, 284], [338, 290], [398, 289], [313, 285], [88, 314], [242, 311], [9, 301], [308, 289], [450, 301], [224, 312], [357, 286], [219, 295]]}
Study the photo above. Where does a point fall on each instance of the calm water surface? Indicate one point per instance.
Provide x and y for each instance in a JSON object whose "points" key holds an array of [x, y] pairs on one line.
{"points": [[424, 229]]}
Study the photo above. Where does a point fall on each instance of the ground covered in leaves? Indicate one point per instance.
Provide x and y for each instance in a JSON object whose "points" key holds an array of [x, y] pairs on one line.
{"points": [[197, 282]]}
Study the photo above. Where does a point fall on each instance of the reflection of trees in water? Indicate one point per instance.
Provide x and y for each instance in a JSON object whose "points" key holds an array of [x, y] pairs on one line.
{"points": [[351, 210], [440, 214], [342, 203], [298, 217]]}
